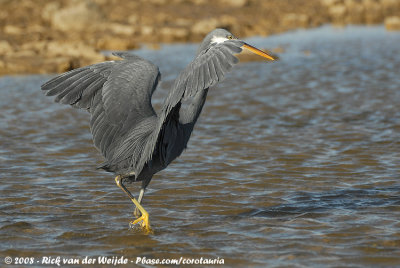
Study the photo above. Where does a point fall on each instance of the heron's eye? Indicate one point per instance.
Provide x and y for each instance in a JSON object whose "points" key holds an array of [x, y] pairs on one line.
{"points": [[230, 37]]}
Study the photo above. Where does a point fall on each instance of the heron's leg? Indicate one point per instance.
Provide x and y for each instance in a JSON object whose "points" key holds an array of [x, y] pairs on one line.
{"points": [[141, 194], [145, 216]]}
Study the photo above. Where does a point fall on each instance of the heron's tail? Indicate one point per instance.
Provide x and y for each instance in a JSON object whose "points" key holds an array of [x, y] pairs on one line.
{"points": [[105, 166]]}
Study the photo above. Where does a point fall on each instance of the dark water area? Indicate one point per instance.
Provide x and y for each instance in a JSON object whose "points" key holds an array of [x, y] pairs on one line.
{"points": [[292, 163]]}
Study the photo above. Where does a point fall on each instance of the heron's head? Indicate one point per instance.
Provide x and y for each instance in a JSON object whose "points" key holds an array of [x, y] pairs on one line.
{"points": [[219, 36]]}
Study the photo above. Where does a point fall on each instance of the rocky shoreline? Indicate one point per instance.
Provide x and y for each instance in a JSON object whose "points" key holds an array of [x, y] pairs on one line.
{"points": [[40, 36]]}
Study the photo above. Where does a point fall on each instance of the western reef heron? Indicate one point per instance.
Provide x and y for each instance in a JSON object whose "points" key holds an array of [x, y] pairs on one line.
{"points": [[135, 141]]}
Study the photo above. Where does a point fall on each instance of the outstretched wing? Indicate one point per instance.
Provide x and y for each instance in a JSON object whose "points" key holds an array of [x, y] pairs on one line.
{"points": [[183, 102], [116, 93]]}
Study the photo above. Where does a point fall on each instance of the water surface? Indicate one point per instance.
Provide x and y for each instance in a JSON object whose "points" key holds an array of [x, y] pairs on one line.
{"points": [[292, 163]]}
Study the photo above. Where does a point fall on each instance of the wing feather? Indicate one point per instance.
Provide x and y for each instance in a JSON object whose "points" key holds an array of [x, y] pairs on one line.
{"points": [[213, 73], [218, 68], [118, 96], [59, 79], [85, 102], [210, 67], [200, 80], [104, 140], [64, 84], [116, 93], [74, 94]]}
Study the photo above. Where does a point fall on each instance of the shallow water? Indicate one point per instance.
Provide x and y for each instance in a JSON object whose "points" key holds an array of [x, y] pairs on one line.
{"points": [[292, 163]]}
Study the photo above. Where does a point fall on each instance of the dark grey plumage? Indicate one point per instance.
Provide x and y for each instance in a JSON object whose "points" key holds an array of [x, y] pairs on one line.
{"points": [[135, 141]]}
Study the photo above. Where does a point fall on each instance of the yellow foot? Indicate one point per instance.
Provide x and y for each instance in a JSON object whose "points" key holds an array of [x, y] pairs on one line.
{"points": [[144, 222]]}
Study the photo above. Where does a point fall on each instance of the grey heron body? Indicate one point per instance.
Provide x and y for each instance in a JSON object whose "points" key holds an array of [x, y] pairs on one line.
{"points": [[135, 141]]}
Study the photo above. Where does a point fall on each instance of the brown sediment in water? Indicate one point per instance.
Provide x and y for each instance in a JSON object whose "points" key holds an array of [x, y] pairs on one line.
{"points": [[293, 163], [55, 36]]}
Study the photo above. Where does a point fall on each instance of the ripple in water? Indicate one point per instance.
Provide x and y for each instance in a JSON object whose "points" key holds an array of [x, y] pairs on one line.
{"points": [[291, 163]]}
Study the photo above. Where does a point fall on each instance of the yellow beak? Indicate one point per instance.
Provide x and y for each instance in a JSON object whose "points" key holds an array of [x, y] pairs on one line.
{"points": [[258, 52]]}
